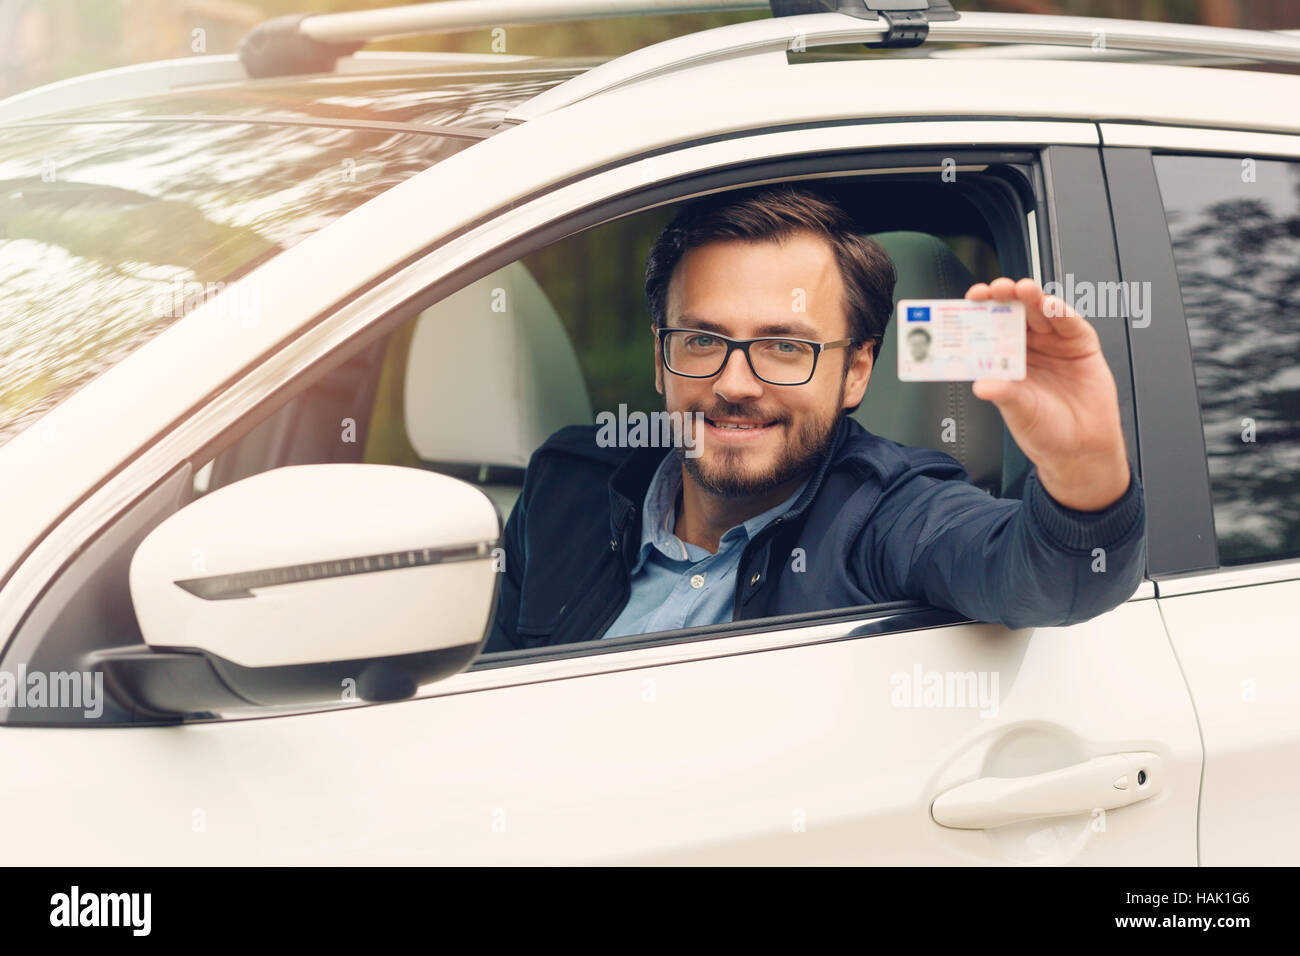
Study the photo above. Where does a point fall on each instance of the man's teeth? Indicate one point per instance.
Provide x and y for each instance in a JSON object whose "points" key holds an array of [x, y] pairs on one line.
{"points": [[730, 425]]}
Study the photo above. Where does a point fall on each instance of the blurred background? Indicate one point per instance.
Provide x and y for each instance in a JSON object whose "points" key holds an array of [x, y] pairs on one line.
{"points": [[46, 40]]}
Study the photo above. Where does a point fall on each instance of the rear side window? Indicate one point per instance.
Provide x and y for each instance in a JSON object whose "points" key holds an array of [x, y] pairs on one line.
{"points": [[1235, 227]]}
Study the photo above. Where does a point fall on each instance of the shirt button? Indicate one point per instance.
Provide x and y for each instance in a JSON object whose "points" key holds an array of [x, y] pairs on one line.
{"points": [[613, 545], [697, 581]]}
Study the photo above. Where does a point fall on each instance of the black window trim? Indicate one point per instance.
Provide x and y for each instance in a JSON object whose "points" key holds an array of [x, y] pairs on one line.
{"points": [[1175, 477], [890, 617]]}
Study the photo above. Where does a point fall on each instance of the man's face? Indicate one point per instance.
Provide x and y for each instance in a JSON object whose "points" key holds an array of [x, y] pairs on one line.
{"points": [[746, 290], [919, 343]]}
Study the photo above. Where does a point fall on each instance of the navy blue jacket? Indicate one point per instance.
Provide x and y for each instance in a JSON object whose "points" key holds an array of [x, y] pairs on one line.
{"points": [[878, 522]]}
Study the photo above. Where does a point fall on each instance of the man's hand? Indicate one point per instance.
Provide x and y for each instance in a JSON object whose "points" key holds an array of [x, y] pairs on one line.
{"points": [[1064, 414]]}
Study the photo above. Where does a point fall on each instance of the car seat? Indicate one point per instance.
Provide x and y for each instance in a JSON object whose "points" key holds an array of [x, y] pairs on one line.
{"points": [[490, 375], [916, 413]]}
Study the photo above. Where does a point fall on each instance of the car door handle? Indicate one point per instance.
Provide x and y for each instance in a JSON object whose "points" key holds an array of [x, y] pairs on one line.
{"points": [[1105, 783]]}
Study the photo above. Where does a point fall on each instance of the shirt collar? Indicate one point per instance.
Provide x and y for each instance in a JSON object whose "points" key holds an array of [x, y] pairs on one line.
{"points": [[659, 518]]}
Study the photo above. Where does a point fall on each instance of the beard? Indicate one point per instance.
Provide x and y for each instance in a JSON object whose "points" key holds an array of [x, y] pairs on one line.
{"points": [[723, 472]]}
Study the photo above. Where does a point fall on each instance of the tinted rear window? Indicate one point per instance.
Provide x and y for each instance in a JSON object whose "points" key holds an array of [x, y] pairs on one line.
{"points": [[1235, 226]]}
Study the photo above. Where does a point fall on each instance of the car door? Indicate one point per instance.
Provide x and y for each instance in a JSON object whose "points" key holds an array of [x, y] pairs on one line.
{"points": [[822, 738], [1210, 220]]}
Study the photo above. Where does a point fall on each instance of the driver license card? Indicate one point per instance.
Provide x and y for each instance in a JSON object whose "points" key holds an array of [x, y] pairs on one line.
{"points": [[957, 340]]}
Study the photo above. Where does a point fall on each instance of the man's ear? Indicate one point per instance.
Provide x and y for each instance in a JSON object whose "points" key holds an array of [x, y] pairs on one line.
{"points": [[858, 374]]}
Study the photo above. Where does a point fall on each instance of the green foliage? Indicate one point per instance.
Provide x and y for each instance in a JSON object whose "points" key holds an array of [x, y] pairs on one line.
{"points": [[596, 281]]}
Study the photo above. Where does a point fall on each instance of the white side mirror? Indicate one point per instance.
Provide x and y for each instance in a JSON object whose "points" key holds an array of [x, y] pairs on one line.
{"points": [[316, 583]]}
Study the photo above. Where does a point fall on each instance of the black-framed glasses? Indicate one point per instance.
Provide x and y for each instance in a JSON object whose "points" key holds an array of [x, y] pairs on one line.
{"points": [[776, 360]]}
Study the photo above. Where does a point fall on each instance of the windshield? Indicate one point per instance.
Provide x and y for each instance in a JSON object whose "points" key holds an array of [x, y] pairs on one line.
{"points": [[110, 232]]}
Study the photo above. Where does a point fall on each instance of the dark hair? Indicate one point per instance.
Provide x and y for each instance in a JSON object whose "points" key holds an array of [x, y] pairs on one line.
{"points": [[919, 331], [774, 213]]}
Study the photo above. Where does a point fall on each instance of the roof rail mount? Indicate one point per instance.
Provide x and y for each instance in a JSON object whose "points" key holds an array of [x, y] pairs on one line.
{"points": [[277, 47], [908, 20]]}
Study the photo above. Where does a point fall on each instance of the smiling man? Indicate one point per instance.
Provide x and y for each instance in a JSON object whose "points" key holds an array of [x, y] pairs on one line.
{"points": [[769, 310]]}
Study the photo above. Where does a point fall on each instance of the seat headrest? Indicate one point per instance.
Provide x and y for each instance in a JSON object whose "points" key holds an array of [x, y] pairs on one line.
{"points": [[913, 413], [491, 374]]}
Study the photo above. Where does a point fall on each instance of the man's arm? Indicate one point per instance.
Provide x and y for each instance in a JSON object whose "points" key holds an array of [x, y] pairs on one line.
{"points": [[1030, 563], [1076, 545]]}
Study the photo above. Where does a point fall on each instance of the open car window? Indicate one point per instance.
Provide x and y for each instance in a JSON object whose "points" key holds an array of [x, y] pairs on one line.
{"points": [[474, 384], [562, 336]]}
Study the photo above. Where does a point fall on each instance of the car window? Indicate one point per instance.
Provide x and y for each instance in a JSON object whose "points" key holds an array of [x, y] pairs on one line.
{"points": [[473, 382], [1235, 227], [589, 291], [110, 232]]}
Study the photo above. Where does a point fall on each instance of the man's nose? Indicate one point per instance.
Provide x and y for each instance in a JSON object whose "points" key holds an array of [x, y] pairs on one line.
{"points": [[736, 383]]}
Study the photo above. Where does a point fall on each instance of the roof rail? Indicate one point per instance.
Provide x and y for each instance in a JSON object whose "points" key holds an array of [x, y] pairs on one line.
{"points": [[823, 29], [302, 43], [311, 43]]}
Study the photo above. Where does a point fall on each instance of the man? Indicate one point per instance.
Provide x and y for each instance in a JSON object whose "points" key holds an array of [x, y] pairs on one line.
{"points": [[918, 341], [787, 504]]}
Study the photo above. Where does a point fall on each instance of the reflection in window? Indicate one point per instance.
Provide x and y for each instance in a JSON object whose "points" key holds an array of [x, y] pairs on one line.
{"points": [[1235, 226], [110, 232]]}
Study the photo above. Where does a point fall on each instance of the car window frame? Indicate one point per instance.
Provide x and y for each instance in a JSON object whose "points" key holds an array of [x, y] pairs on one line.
{"points": [[623, 189]]}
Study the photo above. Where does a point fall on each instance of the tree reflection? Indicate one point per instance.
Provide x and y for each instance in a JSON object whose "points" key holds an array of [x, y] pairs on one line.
{"points": [[99, 223]]}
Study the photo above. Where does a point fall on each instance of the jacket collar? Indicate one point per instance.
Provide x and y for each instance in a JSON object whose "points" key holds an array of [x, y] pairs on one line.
{"points": [[627, 489]]}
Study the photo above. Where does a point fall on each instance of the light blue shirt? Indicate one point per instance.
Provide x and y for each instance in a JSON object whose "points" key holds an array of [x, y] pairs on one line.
{"points": [[676, 584]]}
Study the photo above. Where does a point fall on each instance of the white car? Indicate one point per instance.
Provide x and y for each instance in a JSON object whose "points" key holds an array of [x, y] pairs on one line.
{"points": [[275, 350]]}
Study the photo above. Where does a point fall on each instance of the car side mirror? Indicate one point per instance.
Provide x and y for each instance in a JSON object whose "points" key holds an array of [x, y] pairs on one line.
{"points": [[311, 583]]}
